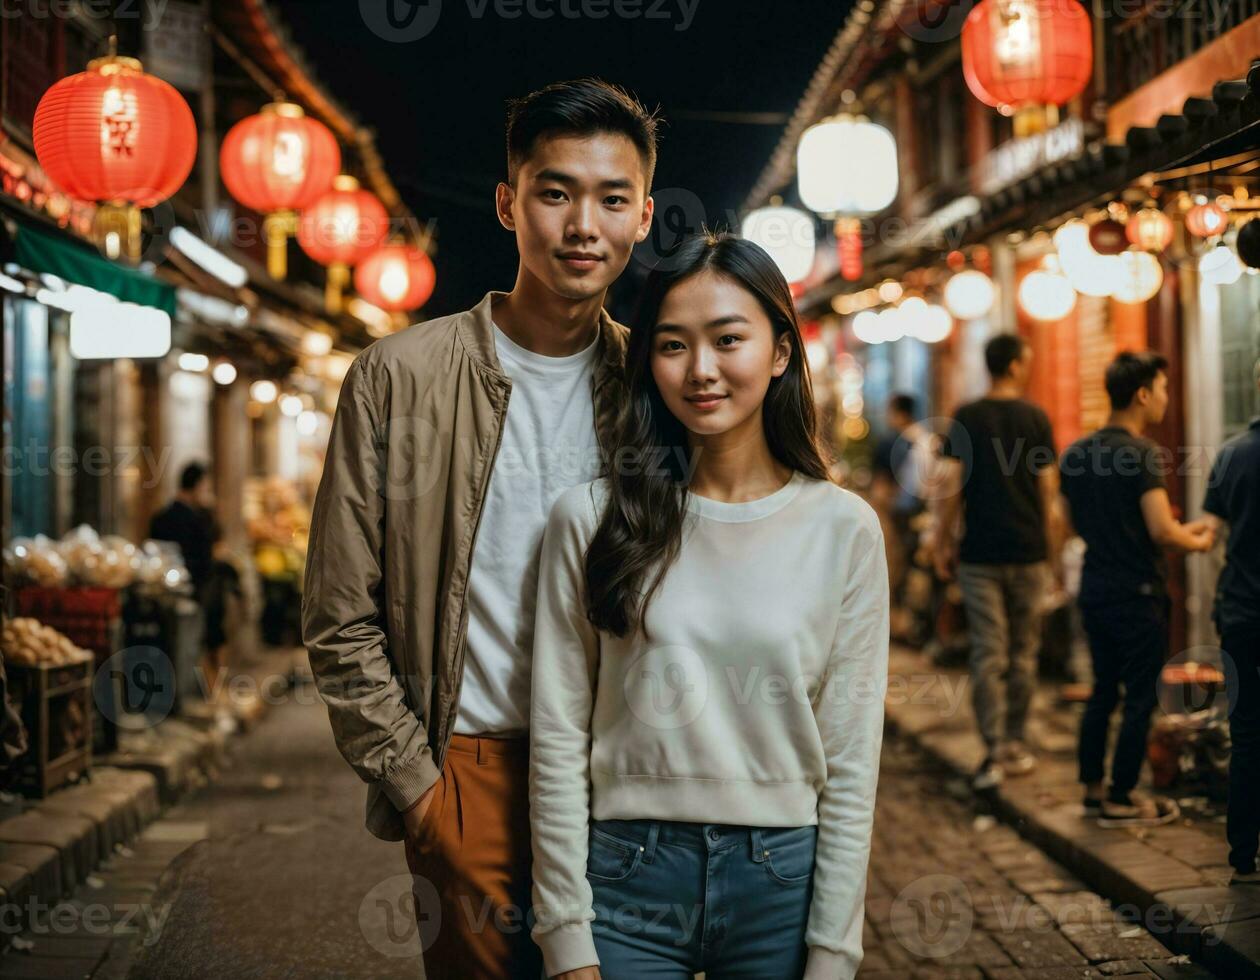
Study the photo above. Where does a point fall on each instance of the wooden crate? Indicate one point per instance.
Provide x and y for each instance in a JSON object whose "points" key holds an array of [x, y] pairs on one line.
{"points": [[56, 706], [91, 617]]}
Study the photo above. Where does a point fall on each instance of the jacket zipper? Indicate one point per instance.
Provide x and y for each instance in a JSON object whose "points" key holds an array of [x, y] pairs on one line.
{"points": [[460, 652]]}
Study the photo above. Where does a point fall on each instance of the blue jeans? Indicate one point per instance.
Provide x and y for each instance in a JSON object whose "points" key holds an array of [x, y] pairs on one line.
{"points": [[675, 899]]}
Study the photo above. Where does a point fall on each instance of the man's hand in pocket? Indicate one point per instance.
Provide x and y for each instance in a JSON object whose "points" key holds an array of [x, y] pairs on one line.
{"points": [[413, 816]]}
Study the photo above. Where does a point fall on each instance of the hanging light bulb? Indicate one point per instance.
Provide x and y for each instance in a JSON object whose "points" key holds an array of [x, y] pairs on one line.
{"points": [[970, 295], [866, 327], [1141, 276], [1220, 266], [1046, 294]]}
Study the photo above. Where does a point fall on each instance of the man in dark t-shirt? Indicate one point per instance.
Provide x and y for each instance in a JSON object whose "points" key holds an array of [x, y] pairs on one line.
{"points": [[1114, 483], [1233, 498], [1000, 478]]}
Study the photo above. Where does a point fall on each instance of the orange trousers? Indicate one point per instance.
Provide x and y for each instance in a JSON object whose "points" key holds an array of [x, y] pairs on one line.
{"points": [[470, 865]]}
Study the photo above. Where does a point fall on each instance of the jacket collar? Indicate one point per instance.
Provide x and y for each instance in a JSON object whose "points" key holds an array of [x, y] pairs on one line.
{"points": [[477, 335]]}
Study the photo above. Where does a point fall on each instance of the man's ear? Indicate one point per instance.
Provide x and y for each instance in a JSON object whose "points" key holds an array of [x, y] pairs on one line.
{"points": [[504, 196], [782, 354], [645, 219]]}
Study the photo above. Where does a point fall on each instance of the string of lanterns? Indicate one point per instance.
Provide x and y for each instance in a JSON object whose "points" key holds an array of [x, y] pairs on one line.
{"points": [[124, 140]]}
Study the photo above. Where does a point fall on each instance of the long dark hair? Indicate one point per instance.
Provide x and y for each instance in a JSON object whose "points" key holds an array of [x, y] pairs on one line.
{"points": [[641, 526]]}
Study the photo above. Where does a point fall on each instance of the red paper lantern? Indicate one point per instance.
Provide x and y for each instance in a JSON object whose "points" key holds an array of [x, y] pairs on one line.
{"points": [[118, 136], [276, 163], [396, 278], [849, 248], [1107, 237], [1023, 53], [1150, 229], [1206, 220], [339, 230]]}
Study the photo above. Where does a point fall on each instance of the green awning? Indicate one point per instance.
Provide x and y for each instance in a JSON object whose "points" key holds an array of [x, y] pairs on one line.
{"points": [[41, 252]]}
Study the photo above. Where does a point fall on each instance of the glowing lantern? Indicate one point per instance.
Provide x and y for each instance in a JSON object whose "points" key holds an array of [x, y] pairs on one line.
{"points": [[846, 165], [277, 163], [1086, 270], [892, 324], [1220, 266], [1020, 55], [1206, 219], [787, 235], [118, 136], [339, 230], [931, 324], [970, 295], [396, 278], [866, 327], [1141, 275], [1150, 229], [1107, 237], [1046, 294]]}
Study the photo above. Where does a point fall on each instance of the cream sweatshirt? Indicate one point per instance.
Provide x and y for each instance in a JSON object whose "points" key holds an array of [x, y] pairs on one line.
{"points": [[759, 702]]}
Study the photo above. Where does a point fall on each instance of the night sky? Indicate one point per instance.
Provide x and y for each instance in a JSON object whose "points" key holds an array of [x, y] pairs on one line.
{"points": [[437, 102]]}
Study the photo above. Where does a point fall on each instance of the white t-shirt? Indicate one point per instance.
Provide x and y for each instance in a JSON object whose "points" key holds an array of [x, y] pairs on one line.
{"points": [[548, 446]]}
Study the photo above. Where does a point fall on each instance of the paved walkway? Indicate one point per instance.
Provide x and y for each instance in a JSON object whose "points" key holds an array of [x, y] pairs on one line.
{"points": [[1177, 875]]}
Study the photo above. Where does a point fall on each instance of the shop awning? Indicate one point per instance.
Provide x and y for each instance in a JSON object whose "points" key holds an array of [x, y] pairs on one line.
{"points": [[42, 252]]}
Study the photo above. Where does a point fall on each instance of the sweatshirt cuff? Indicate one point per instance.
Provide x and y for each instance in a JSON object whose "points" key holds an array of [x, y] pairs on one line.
{"points": [[567, 947], [827, 964], [406, 783]]}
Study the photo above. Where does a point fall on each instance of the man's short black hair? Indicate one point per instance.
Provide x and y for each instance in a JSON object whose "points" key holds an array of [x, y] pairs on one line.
{"points": [[1003, 351], [583, 107], [191, 475], [1129, 373], [905, 404]]}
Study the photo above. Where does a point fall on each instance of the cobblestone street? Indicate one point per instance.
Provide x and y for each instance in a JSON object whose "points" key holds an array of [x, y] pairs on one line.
{"points": [[994, 906], [267, 872]]}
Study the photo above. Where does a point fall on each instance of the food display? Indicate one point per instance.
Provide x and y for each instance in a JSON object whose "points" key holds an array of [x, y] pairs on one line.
{"points": [[84, 558], [30, 643]]}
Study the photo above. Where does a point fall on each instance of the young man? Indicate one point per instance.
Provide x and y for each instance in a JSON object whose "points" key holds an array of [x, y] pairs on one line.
{"points": [[1233, 498], [999, 472], [451, 441], [1113, 480]]}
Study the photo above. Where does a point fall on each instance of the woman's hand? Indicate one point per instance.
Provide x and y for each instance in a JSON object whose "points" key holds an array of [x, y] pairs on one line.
{"points": [[581, 973]]}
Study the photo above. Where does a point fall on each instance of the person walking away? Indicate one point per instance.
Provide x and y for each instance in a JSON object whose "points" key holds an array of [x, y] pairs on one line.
{"points": [[1000, 480]]}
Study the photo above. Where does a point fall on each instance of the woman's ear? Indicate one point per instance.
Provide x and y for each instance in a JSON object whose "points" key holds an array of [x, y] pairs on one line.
{"points": [[782, 354]]}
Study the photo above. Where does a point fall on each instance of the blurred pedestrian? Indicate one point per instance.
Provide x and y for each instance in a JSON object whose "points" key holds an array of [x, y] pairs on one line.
{"points": [[999, 478], [1233, 498], [1114, 483], [189, 522], [902, 469]]}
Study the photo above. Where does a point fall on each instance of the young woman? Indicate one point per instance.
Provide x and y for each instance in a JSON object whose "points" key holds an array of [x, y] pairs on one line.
{"points": [[710, 656]]}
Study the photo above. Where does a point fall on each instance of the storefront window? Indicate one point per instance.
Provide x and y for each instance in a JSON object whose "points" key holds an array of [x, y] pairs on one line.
{"points": [[28, 429]]}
